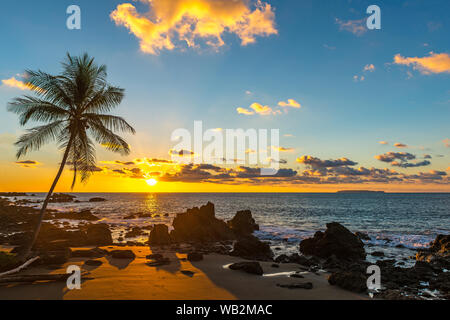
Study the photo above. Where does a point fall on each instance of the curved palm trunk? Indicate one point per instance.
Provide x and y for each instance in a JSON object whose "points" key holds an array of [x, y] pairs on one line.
{"points": [[47, 199]]}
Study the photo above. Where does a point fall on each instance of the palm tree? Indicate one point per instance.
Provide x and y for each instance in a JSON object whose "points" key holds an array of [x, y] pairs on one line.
{"points": [[74, 107]]}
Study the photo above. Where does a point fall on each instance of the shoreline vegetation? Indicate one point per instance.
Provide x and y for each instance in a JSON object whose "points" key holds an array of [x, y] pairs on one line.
{"points": [[201, 257]]}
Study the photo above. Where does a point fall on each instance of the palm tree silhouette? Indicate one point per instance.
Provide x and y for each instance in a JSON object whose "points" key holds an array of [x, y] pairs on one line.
{"points": [[74, 106]]}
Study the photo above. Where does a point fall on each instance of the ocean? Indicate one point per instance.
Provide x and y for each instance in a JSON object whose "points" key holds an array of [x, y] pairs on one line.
{"points": [[390, 219]]}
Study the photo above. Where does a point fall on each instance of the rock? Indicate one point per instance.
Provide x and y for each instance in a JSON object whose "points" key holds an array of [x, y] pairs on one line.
{"points": [[97, 199], [61, 197], [154, 256], [377, 254], [274, 265], [352, 281], [400, 246], [194, 256], [252, 248], [89, 253], [49, 234], [282, 259], [98, 234], [243, 223], [122, 254], [159, 262], [362, 235], [159, 235], [188, 273], [93, 263], [55, 257], [393, 295], [305, 285], [296, 275], [82, 215], [134, 232], [248, 267], [336, 240], [200, 225], [8, 261], [438, 254]]}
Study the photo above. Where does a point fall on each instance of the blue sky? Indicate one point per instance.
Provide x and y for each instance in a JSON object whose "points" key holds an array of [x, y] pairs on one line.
{"points": [[310, 59]]}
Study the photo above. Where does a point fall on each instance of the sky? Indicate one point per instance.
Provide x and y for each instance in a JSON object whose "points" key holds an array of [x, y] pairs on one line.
{"points": [[355, 108]]}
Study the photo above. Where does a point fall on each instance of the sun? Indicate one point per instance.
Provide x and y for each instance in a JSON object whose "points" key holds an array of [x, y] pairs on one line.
{"points": [[151, 182]]}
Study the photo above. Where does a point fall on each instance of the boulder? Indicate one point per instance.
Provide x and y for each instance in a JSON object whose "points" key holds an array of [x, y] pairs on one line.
{"points": [[352, 281], [362, 235], [55, 256], [438, 254], [252, 248], [49, 234], [243, 223], [93, 263], [98, 234], [61, 197], [122, 254], [159, 235], [248, 267], [200, 225], [194, 256], [336, 240], [97, 199], [82, 215]]}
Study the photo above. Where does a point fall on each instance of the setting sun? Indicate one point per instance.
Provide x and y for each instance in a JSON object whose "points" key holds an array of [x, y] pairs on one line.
{"points": [[151, 182]]}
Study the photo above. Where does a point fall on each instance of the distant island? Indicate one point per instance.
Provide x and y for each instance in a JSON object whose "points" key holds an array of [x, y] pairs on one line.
{"points": [[359, 191]]}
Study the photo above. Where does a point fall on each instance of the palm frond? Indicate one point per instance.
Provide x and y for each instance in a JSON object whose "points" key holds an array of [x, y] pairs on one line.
{"points": [[38, 136], [111, 122], [31, 108], [107, 138]]}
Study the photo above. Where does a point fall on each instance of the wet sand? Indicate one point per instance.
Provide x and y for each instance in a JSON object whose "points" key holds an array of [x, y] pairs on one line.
{"points": [[123, 279]]}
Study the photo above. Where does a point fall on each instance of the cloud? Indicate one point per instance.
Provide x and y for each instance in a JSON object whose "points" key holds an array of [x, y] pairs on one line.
{"points": [[369, 67], [181, 153], [434, 63], [383, 142], [318, 163], [357, 27], [400, 145], [392, 156], [290, 103], [257, 109], [169, 23], [244, 111], [28, 163], [410, 165], [357, 78], [446, 142], [14, 83], [401, 159], [283, 149]]}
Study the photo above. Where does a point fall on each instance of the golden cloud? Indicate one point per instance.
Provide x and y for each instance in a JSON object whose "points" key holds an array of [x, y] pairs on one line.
{"points": [[290, 103], [172, 21], [14, 83], [434, 63]]}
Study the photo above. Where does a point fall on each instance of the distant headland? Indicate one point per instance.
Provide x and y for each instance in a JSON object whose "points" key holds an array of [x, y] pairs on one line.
{"points": [[359, 191]]}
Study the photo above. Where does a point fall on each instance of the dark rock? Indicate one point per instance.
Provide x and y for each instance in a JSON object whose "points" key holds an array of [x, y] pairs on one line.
{"points": [[352, 281], [400, 246], [200, 225], [49, 233], [251, 247], [248, 267], [122, 254], [438, 254], [134, 232], [305, 285], [159, 262], [195, 256], [155, 256], [243, 223], [97, 199], [296, 275], [362, 235], [82, 215], [282, 259], [377, 254], [89, 253], [188, 273], [57, 257], [8, 261], [159, 235], [98, 234], [93, 263], [336, 240], [61, 197], [274, 265]]}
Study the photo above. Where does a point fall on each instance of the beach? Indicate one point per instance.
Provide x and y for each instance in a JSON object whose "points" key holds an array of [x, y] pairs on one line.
{"points": [[124, 279]]}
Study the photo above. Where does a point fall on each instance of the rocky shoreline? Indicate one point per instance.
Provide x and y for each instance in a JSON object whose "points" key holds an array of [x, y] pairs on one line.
{"points": [[199, 232]]}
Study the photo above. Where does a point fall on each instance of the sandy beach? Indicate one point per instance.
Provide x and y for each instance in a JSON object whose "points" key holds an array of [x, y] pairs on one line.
{"points": [[127, 279]]}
